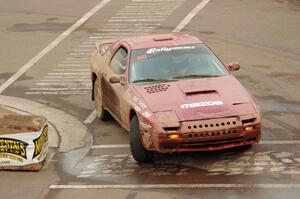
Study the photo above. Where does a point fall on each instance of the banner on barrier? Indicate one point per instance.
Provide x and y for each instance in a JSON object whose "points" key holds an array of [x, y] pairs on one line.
{"points": [[23, 149]]}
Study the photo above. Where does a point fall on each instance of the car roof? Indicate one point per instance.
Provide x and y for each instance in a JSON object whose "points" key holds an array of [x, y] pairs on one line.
{"points": [[160, 40]]}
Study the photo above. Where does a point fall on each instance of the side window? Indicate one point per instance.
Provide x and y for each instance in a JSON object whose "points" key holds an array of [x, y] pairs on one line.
{"points": [[119, 61]]}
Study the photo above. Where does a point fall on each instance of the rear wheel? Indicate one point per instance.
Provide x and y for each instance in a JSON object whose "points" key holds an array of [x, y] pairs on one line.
{"points": [[138, 151], [102, 114]]}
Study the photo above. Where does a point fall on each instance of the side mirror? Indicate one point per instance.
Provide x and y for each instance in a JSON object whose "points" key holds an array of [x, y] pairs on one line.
{"points": [[117, 79], [102, 49], [103, 46], [233, 66]]}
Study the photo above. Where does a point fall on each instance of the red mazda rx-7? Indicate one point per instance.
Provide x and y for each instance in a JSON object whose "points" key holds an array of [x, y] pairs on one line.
{"points": [[172, 94]]}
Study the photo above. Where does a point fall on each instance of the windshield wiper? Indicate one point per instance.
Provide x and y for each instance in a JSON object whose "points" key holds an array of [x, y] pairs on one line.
{"points": [[153, 80], [195, 76]]}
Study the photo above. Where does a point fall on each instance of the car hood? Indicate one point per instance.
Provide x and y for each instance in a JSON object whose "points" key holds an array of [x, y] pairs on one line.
{"points": [[196, 99]]}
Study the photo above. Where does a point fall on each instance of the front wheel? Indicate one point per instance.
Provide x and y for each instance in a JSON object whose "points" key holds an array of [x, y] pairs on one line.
{"points": [[102, 114], [139, 153]]}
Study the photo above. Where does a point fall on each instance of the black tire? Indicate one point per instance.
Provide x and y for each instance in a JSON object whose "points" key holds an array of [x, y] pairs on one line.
{"points": [[139, 153], [102, 114]]}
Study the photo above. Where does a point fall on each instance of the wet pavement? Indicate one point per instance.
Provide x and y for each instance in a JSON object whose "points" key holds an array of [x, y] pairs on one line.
{"points": [[261, 35]]}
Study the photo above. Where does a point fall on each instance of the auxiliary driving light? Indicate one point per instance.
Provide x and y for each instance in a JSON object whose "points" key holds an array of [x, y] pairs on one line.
{"points": [[249, 128], [173, 136]]}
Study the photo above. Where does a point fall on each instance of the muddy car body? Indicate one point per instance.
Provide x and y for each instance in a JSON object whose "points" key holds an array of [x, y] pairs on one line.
{"points": [[172, 94]]}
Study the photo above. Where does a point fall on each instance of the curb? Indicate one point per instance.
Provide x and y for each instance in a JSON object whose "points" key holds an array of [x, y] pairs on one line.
{"points": [[70, 132]]}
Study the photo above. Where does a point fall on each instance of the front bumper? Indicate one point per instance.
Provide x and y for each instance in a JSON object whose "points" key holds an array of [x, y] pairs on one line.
{"points": [[209, 135]]}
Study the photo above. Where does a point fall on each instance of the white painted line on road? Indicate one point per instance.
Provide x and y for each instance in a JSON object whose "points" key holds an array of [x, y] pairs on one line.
{"points": [[165, 11], [151, 6], [89, 42], [153, 1], [52, 45], [77, 58], [149, 9], [133, 12], [58, 83], [78, 73], [135, 24], [105, 30], [280, 142], [124, 29], [91, 117], [81, 50], [59, 89], [139, 20], [105, 37], [110, 146], [112, 34], [72, 69], [131, 24], [140, 17], [138, 14], [69, 64], [86, 53], [48, 84], [191, 15], [86, 46], [66, 80], [66, 77], [116, 24], [58, 93], [108, 36], [176, 186], [83, 65]]}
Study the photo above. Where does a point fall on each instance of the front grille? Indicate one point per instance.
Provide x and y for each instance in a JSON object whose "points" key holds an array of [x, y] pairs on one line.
{"points": [[208, 134], [206, 143], [218, 125], [200, 126], [214, 133]]}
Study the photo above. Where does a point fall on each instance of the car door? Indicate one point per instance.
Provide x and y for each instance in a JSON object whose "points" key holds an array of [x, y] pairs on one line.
{"points": [[112, 96]]}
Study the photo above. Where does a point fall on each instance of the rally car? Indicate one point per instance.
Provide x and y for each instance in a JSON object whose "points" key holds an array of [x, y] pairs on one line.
{"points": [[172, 94]]}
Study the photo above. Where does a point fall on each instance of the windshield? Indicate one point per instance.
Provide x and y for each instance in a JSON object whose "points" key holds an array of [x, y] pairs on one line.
{"points": [[173, 63]]}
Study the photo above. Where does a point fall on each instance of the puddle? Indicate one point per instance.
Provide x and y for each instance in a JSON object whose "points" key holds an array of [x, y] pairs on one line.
{"points": [[268, 163], [294, 2], [124, 165], [52, 18], [4, 77], [207, 32], [43, 27]]}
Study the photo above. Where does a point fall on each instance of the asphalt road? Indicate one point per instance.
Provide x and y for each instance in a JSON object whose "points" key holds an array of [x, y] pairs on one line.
{"points": [[263, 36]]}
